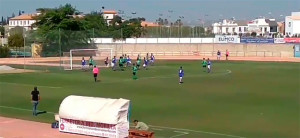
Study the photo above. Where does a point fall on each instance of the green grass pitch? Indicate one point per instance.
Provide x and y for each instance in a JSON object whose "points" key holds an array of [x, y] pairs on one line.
{"points": [[246, 99]]}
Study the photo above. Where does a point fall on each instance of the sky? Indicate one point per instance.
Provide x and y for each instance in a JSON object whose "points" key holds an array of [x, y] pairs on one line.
{"points": [[193, 11]]}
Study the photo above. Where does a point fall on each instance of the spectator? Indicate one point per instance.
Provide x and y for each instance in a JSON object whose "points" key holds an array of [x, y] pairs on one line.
{"points": [[35, 98], [140, 125]]}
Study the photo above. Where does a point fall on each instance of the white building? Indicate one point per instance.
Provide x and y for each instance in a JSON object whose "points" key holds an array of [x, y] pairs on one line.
{"points": [[109, 15], [292, 24], [230, 27], [25, 21], [260, 26]]}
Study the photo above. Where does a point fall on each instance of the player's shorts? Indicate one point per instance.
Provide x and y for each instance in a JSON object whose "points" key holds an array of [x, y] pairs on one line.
{"points": [[204, 66], [129, 62], [208, 66], [90, 64], [151, 61], [112, 64], [227, 55], [105, 62], [219, 56], [134, 73], [95, 74]]}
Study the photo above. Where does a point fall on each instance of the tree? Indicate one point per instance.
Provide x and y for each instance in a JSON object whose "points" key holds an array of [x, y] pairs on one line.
{"points": [[16, 30], [2, 21], [2, 30], [253, 34], [16, 41], [59, 30], [4, 52], [117, 20]]}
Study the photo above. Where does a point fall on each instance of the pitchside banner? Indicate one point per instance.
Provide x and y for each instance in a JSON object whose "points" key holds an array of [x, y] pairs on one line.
{"points": [[257, 40], [226, 39], [93, 128], [292, 40], [279, 40]]}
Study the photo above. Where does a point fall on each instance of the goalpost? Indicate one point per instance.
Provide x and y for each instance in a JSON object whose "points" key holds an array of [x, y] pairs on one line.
{"points": [[72, 60]]}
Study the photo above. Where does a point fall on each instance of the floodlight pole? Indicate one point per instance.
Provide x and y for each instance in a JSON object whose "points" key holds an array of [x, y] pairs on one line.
{"points": [[24, 41], [122, 39], [59, 43]]}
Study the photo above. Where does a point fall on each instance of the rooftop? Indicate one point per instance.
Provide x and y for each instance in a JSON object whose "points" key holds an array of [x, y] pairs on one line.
{"points": [[241, 22], [23, 17], [148, 24], [110, 12], [294, 17]]}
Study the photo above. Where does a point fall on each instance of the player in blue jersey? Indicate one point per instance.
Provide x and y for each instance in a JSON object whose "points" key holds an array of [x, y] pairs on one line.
{"points": [[208, 65], [113, 63], [181, 74], [128, 61], [106, 62], [152, 58], [145, 63], [83, 62]]}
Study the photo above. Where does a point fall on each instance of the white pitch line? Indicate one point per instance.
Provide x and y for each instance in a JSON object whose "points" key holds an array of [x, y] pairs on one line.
{"points": [[197, 131], [21, 109], [30, 85], [229, 71], [182, 133], [157, 129]]}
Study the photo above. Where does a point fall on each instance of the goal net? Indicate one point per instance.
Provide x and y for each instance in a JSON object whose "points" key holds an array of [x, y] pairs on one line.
{"points": [[73, 59]]}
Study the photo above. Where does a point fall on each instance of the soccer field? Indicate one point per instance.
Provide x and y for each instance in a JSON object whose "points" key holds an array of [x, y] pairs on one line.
{"points": [[238, 99]]}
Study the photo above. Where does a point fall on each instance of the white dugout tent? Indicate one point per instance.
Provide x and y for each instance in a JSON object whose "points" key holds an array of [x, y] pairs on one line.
{"points": [[102, 117]]}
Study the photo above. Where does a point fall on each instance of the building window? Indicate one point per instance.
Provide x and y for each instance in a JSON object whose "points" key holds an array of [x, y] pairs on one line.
{"points": [[20, 22], [240, 29], [226, 30], [28, 22], [24, 22], [233, 30], [265, 29], [245, 29], [290, 24]]}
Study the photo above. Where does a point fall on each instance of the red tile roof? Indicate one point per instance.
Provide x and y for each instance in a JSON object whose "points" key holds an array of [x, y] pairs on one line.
{"points": [[23, 17]]}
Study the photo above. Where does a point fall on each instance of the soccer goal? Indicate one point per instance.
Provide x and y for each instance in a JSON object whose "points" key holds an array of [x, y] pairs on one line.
{"points": [[73, 59]]}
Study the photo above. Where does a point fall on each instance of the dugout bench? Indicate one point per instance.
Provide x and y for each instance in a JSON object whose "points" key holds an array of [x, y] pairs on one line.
{"points": [[140, 134]]}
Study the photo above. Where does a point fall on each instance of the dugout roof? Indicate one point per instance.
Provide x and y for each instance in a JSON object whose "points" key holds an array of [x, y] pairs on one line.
{"points": [[94, 109]]}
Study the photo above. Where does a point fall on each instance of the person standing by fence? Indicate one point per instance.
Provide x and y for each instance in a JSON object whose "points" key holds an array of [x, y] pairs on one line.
{"points": [[227, 54], [35, 98], [218, 55]]}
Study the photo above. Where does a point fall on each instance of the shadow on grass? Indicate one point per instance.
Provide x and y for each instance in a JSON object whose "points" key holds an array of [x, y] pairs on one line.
{"points": [[41, 112]]}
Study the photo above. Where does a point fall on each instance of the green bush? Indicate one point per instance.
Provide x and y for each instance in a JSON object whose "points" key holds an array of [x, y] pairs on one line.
{"points": [[4, 51]]}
